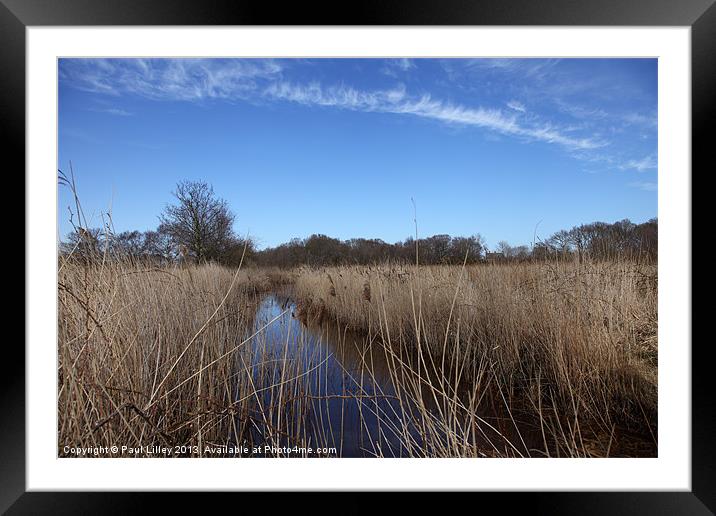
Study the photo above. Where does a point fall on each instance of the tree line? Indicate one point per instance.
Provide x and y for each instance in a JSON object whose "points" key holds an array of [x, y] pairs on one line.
{"points": [[320, 250], [198, 228]]}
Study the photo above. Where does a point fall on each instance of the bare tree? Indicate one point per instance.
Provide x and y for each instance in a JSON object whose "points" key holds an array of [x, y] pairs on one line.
{"points": [[437, 248], [200, 221], [83, 243], [562, 242], [129, 244], [505, 248], [238, 251], [466, 248], [159, 246]]}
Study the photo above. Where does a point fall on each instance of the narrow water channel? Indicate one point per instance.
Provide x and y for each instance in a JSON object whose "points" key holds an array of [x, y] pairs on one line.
{"points": [[334, 387]]}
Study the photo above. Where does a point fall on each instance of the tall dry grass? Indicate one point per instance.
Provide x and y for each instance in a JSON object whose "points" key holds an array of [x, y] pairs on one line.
{"points": [[148, 355], [171, 361], [566, 353], [508, 360]]}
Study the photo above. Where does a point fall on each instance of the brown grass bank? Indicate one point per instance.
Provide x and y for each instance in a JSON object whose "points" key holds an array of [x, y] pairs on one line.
{"points": [[152, 356], [568, 350], [508, 360]]}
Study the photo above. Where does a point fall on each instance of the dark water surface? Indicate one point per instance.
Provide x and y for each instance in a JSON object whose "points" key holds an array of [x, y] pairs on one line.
{"points": [[349, 401]]}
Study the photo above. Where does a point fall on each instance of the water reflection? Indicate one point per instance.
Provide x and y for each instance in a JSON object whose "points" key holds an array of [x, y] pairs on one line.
{"points": [[336, 382]]}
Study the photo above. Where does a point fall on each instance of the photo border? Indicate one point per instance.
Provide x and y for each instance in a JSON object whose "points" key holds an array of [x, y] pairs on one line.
{"points": [[700, 15]]}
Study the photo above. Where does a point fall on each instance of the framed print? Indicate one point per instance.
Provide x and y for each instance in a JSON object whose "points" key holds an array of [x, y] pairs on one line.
{"points": [[445, 248]]}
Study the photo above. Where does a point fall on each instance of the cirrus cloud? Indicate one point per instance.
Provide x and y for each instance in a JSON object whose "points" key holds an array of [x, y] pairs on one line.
{"points": [[169, 79], [260, 81], [397, 101]]}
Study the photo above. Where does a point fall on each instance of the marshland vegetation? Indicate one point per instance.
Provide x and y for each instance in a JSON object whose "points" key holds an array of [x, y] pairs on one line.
{"points": [[545, 352]]}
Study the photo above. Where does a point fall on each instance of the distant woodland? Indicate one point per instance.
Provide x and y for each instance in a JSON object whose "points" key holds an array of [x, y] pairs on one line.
{"points": [[197, 227]]}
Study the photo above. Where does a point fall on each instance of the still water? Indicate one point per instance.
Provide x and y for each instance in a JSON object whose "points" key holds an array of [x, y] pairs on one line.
{"points": [[334, 387]]}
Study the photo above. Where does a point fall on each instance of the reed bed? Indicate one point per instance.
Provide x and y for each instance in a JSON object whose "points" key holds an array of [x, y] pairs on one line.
{"points": [[564, 353], [151, 357], [551, 359], [172, 361]]}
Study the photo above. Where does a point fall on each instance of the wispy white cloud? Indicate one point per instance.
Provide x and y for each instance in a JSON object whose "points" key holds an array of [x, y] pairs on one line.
{"points": [[622, 120], [403, 64], [397, 101], [169, 79], [533, 68], [640, 165], [112, 111], [646, 120], [397, 67], [580, 112], [338, 96], [496, 120], [647, 186], [261, 80]]}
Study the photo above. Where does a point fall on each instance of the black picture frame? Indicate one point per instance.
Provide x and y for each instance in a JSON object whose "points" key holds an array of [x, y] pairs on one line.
{"points": [[700, 15]]}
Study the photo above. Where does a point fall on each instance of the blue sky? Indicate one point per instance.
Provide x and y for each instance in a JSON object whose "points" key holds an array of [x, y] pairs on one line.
{"points": [[340, 146]]}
